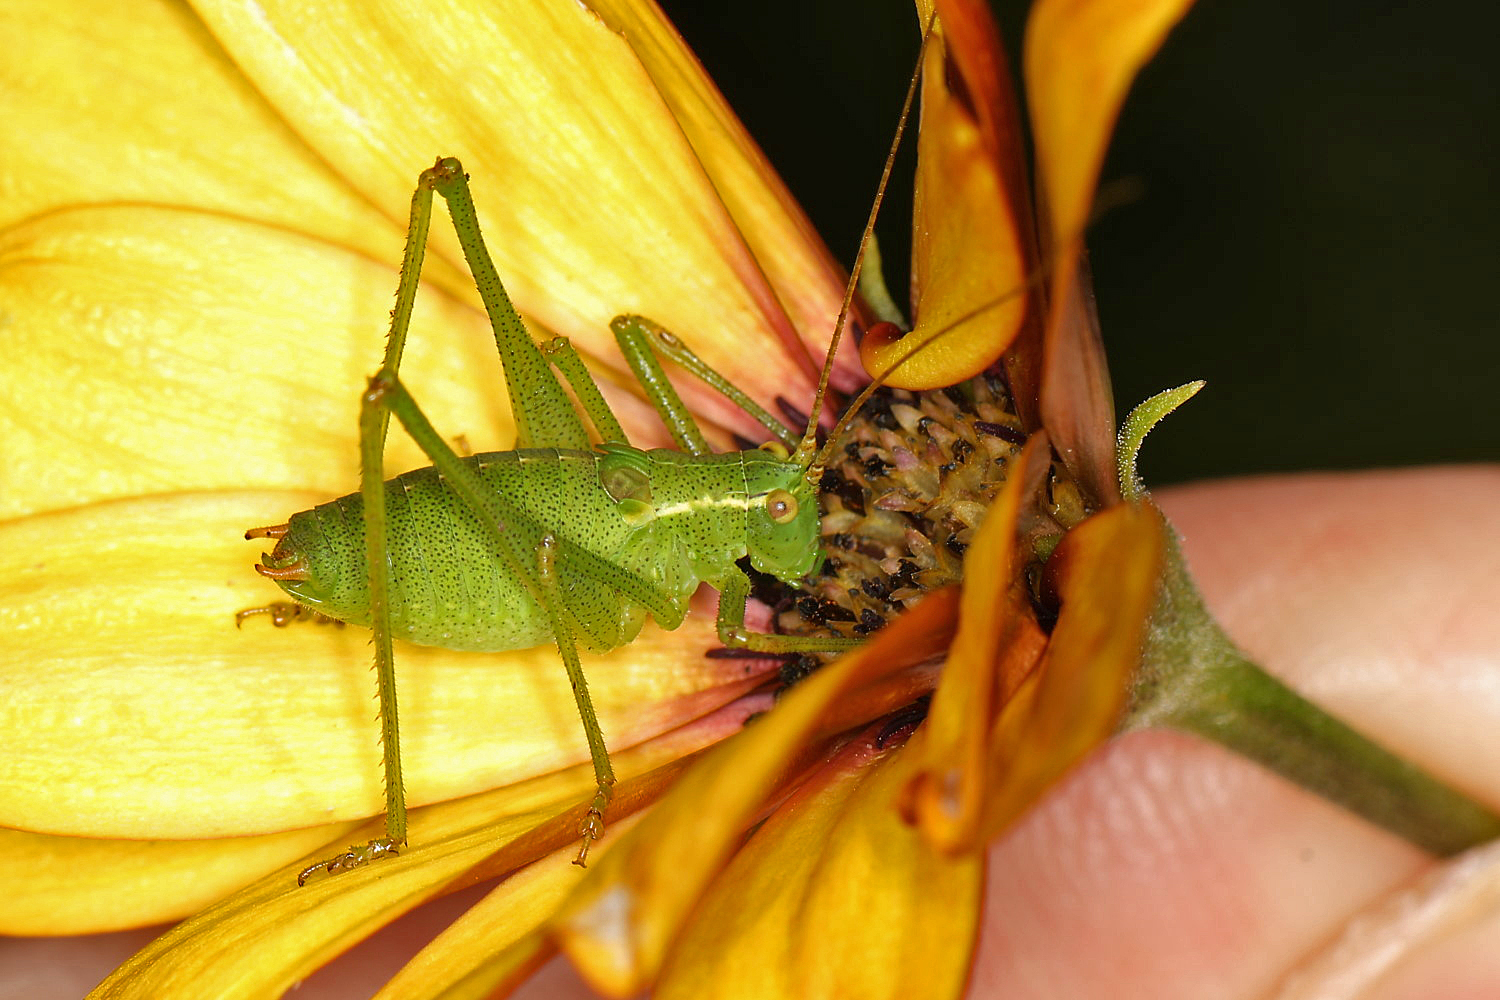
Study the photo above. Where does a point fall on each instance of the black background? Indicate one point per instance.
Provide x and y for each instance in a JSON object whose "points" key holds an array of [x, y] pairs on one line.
{"points": [[1313, 230]]}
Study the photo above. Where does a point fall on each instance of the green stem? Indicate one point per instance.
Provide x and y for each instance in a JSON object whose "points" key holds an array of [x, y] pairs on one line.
{"points": [[1194, 679]]}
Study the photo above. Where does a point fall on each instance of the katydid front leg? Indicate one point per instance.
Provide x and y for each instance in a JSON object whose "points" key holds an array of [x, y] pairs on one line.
{"points": [[733, 598]]}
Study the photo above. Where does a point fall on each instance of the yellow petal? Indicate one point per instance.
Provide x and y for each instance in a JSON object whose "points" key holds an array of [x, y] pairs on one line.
{"points": [[1080, 58], [134, 707], [74, 885], [834, 896], [618, 927], [1108, 571], [260, 941], [592, 199], [500, 939], [805, 278], [997, 645], [139, 105], [970, 261], [154, 349]]}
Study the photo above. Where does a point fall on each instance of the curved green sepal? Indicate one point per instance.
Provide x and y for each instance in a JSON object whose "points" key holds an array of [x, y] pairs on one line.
{"points": [[1144, 417]]}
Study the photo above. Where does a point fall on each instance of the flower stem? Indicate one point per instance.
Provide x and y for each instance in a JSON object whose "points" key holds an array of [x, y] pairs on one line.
{"points": [[1194, 679]]}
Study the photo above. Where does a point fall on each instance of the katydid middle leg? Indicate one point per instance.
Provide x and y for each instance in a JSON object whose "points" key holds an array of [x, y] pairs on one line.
{"points": [[640, 339]]}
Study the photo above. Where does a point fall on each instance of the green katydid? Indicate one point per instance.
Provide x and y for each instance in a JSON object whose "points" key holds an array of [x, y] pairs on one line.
{"points": [[558, 540]]}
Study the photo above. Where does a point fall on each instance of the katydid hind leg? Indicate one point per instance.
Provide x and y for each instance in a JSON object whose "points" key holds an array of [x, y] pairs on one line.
{"points": [[374, 417], [544, 415], [530, 553], [373, 424]]}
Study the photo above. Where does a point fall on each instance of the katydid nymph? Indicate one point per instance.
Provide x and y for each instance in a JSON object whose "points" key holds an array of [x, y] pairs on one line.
{"points": [[559, 540]]}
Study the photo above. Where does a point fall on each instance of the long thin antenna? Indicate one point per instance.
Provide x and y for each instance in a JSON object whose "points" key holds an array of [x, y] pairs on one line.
{"points": [[1034, 280], [820, 461], [809, 441]]}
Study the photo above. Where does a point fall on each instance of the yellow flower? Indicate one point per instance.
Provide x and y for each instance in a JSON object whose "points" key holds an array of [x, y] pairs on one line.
{"points": [[202, 218]]}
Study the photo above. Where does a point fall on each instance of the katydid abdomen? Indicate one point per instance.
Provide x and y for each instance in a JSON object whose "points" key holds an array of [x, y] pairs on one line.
{"points": [[671, 521]]}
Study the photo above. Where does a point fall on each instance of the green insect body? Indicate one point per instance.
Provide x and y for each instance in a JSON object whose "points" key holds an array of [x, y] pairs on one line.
{"points": [[560, 540], [671, 519]]}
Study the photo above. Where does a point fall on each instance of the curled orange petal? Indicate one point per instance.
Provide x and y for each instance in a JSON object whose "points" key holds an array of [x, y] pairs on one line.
{"points": [[619, 926], [997, 646], [970, 254], [834, 895], [1080, 59], [1107, 570]]}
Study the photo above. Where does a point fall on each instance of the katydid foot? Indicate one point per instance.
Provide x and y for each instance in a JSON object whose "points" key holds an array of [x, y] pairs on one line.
{"points": [[284, 613], [592, 825], [355, 856]]}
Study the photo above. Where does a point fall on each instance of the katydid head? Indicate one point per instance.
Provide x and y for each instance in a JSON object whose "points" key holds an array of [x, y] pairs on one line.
{"points": [[782, 532]]}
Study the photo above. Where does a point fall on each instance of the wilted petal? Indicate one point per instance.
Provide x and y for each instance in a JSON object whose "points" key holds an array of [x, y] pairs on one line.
{"points": [[1107, 573], [136, 709], [1080, 58], [997, 646], [970, 253], [260, 941], [155, 349], [77, 885], [834, 895], [618, 927], [1077, 402], [593, 199]]}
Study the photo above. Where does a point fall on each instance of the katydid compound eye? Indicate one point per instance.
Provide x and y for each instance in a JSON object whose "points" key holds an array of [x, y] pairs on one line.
{"points": [[781, 505]]}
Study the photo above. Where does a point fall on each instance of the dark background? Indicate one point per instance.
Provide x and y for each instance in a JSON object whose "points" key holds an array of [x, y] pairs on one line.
{"points": [[1314, 230]]}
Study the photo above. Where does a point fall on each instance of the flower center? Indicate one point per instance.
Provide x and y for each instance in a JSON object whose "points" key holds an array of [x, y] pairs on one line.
{"points": [[900, 503]]}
